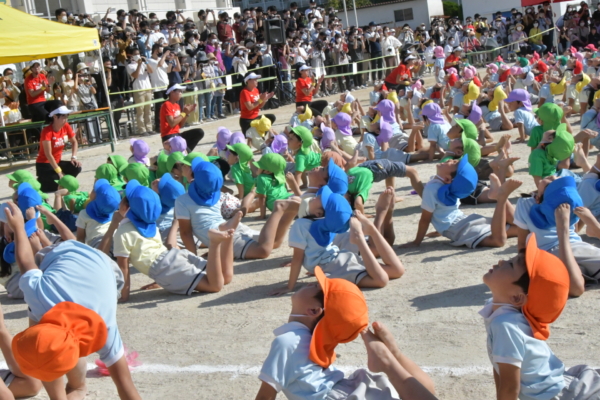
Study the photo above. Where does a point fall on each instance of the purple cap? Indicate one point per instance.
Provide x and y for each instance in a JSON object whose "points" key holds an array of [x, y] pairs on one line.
{"points": [[521, 95], [140, 150], [385, 132], [223, 137], [178, 144], [343, 121], [386, 109], [280, 144], [476, 113], [434, 113], [328, 136], [237, 137]]}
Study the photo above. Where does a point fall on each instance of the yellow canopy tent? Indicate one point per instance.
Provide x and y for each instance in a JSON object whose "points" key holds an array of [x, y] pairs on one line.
{"points": [[24, 37]]}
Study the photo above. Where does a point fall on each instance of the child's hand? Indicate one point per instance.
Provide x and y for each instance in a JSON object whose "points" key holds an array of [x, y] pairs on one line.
{"points": [[584, 213], [562, 214], [43, 210], [281, 291], [14, 217], [379, 357], [61, 192], [409, 245]]}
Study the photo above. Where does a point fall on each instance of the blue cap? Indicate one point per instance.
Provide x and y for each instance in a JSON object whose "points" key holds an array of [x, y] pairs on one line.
{"points": [[28, 197], [144, 208], [205, 190], [337, 217], [9, 253], [169, 190], [338, 180], [463, 184], [562, 190], [107, 200]]}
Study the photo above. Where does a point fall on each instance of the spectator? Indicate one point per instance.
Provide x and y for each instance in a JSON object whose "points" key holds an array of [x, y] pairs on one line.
{"points": [[374, 40], [159, 77], [224, 29], [36, 85], [535, 38], [139, 71]]}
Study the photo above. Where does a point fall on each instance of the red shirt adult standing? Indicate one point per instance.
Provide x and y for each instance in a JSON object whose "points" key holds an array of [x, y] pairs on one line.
{"points": [[172, 119], [36, 85], [251, 101], [304, 87], [48, 166]]}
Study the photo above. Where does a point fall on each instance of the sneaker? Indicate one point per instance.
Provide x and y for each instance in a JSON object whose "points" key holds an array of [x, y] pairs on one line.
{"points": [[222, 116], [236, 111]]}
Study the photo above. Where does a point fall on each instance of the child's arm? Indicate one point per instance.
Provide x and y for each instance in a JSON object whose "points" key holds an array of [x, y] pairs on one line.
{"points": [[58, 198], [293, 184], [359, 204], [422, 230], [71, 206], [432, 146], [123, 263], [508, 384], [187, 235], [81, 235], [522, 238], [119, 372], [5, 347], [240, 188], [64, 232], [23, 253], [266, 392], [370, 152], [107, 240], [565, 252], [295, 267], [262, 205], [298, 176], [592, 224]]}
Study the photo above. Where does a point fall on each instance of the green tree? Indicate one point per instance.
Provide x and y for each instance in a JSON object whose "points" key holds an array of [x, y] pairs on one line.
{"points": [[452, 9], [339, 4]]}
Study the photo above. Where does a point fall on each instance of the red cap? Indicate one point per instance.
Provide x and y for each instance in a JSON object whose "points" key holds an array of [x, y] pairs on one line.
{"points": [[578, 68]]}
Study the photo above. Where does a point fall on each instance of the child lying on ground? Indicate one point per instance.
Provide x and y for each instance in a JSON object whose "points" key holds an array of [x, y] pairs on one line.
{"points": [[93, 222]]}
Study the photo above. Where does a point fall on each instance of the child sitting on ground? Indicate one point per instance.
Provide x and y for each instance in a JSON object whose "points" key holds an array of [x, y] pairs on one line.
{"points": [[93, 222], [110, 173], [300, 140], [240, 154], [139, 152], [168, 189], [270, 182], [524, 120]]}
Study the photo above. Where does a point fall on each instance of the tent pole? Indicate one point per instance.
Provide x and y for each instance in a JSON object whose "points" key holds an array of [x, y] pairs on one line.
{"points": [[554, 33], [355, 15], [106, 93], [346, 13]]}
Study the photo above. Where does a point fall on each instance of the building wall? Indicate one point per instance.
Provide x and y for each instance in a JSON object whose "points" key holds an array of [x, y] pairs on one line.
{"points": [[487, 8], [384, 15]]}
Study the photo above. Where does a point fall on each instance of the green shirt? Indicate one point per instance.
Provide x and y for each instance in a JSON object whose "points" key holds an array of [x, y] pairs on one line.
{"points": [[80, 199], [49, 207], [242, 178], [269, 187], [307, 162], [535, 137], [540, 164], [360, 180]]}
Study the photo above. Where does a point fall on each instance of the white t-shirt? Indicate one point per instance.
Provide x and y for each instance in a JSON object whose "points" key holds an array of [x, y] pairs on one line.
{"points": [[143, 79], [158, 77], [93, 228]]}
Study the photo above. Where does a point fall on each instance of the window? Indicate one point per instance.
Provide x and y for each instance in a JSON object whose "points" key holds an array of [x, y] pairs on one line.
{"points": [[404, 15]]}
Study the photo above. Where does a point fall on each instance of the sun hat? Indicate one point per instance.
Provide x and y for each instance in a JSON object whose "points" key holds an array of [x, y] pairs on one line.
{"points": [[468, 128], [178, 143], [328, 136], [562, 190], [438, 52], [493, 68], [385, 132], [475, 114], [138, 172], [472, 93], [82, 66], [274, 163], [548, 288], [144, 208], [499, 95], [119, 162], [337, 217], [346, 315], [305, 136], [205, 190], [174, 158], [252, 75], [176, 86], [434, 113], [262, 125], [107, 201], [308, 114], [386, 109], [471, 149], [463, 184], [20, 175], [53, 347], [62, 110], [521, 95], [223, 137], [168, 191], [578, 68], [140, 151], [279, 144], [563, 144], [343, 121], [237, 137], [338, 179], [27, 197], [304, 68], [244, 153], [68, 182], [187, 160]]}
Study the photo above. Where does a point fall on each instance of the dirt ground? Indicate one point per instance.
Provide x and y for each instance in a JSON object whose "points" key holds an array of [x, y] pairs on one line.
{"points": [[211, 346]]}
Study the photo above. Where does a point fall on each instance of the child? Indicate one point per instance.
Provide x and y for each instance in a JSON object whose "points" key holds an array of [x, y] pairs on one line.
{"points": [[174, 166], [110, 173], [92, 222], [518, 101], [529, 292], [239, 156], [257, 133], [343, 132], [550, 115], [137, 240], [554, 147], [139, 172], [312, 243], [300, 140], [199, 210], [270, 183], [455, 180], [301, 355], [437, 128], [223, 137], [120, 164], [70, 323], [74, 200], [168, 189], [279, 145], [139, 150]]}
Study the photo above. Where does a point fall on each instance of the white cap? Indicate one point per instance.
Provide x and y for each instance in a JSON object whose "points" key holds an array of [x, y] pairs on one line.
{"points": [[457, 49], [410, 57], [349, 98], [31, 64], [176, 86], [304, 67], [220, 12], [251, 76], [60, 110]]}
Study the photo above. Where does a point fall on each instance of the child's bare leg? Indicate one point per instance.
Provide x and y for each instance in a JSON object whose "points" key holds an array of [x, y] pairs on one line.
{"points": [[415, 140], [499, 234], [76, 388], [213, 280], [584, 137], [232, 223], [353, 161], [171, 242], [376, 277], [273, 232], [415, 180], [293, 184], [392, 265], [592, 224], [226, 253], [423, 155], [383, 210], [580, 158], [506, 124]]}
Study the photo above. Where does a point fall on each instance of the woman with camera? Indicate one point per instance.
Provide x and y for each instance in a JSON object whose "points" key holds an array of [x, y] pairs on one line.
{"points": [[251, 101]]}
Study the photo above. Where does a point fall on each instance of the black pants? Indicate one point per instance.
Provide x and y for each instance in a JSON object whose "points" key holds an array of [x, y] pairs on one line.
{"points": [[46, 175], [377, 64], [358, 78], [158, 95], [38, 113], [245, 123], [316, 106], [117, 102], [192, 137]]}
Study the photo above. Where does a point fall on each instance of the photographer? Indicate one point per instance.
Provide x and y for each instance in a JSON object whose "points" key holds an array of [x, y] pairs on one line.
{"points": [[313, 9], [390, 45], [204, 25], [139, 71], [224, 29], [340, 51], [162, 63], [356, 47], [374, 40]]}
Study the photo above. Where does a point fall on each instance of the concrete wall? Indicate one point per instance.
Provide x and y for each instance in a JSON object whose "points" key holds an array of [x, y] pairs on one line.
{"points": [[384, 15], [487, 8]]}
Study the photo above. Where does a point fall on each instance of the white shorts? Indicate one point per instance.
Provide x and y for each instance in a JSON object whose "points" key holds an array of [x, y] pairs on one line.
{"points": [[243, 238], [469, 231], [571, 92], [588, 259], [584, 96], [582, 383], [345, 266], [363, 385], [178, 271]]}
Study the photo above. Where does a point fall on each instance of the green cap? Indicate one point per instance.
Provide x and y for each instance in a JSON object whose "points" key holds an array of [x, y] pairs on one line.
{"points": [[562, 60], [274, 163], [523, 62], [20, 176], [563, 144], [305, 136], [69, 182], [190, 157], [173, 159], [471, 149], [35, 184], [137, 171], [468, 128], [119, 162], [244, 153]]}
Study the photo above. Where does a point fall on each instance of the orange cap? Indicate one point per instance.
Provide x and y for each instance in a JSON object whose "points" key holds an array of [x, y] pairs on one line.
{"points": [[52, 348], [337, 159], [346, 315], [548, 289]]}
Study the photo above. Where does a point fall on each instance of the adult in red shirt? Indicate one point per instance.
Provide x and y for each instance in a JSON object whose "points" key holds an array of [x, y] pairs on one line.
{"points": [[224, 30], [49, 165], [172, 119], [401, 76], [36, 85], [251, 101], [305, 91], [453, 59]]}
